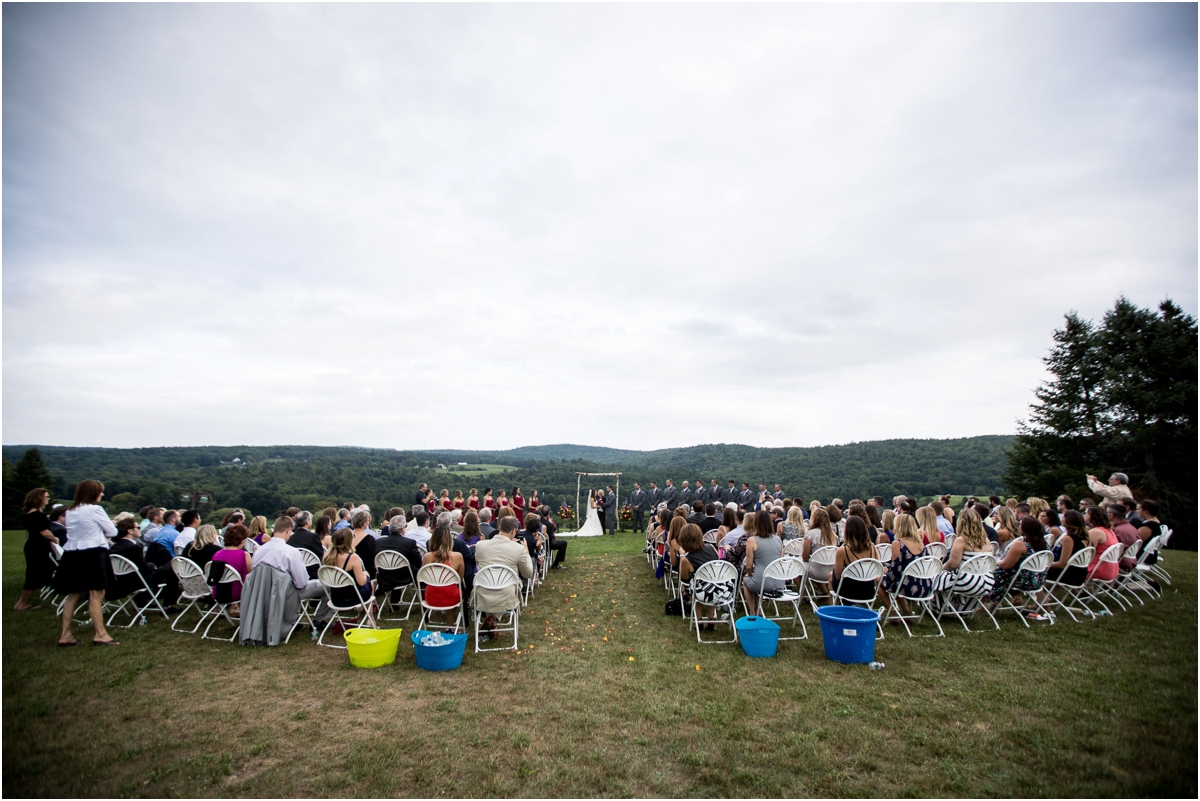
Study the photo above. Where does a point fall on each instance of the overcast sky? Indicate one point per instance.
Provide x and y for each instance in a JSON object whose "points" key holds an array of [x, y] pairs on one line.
{"points": [[633, 226]]}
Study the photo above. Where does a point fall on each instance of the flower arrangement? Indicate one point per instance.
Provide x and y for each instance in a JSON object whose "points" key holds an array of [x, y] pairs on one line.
{"points": [[565, 512], [626, 512]]}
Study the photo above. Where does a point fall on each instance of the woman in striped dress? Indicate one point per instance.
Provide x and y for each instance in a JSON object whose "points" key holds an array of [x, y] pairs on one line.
{"points": [[971, 540]]}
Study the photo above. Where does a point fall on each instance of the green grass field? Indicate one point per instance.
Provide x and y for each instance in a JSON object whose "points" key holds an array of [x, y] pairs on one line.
{"points": [[608, 697], [479, 470]]}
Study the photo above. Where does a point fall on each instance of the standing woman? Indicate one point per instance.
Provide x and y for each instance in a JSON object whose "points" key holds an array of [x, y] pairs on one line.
{"points": [[488, 501], [83, 568], [458, 502], [39, 570], [533, 503], [502, 500], [444, 500], [518, 505], [473, 500]]}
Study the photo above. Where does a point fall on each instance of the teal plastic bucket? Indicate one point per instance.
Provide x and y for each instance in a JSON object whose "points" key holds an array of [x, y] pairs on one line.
{"points": [[849, 633], [759, 637], [439, 657]]}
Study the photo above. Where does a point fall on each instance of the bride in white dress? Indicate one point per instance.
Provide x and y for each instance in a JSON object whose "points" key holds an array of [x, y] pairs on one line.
{"points": [[591, 524]]}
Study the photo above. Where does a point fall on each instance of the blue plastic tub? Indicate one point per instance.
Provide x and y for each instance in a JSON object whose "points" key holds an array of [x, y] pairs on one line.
{"points": [[759, 637], [849, 633], [439, 657]]}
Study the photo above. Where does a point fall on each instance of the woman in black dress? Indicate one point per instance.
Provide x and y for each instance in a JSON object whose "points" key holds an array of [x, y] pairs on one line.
{"points": [[39, 570]]}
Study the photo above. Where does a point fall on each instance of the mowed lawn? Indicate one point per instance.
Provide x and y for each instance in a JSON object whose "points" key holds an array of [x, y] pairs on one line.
{"points": [[1105, 708]]}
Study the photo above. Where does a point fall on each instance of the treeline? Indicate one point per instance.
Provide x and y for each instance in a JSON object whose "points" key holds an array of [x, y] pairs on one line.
{"points": [[266, 480]]}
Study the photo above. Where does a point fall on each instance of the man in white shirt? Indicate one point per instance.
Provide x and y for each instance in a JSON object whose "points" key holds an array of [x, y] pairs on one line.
{"points": [[191, 522], [278, 554], [421, 534]]}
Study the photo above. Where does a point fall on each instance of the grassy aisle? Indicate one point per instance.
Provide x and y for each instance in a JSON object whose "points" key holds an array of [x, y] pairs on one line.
{"points": [[609, 697]]}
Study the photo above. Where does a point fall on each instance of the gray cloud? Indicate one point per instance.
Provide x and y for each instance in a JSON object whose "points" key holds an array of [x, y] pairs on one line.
{"points": [[637, 226]]}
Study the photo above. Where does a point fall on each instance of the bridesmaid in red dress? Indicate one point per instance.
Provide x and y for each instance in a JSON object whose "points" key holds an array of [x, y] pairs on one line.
{"points": [[473, 500], [430, 504], [488, 501], [518, 505], [534, 501], [502, 501], [444, 500], [458, 500]]}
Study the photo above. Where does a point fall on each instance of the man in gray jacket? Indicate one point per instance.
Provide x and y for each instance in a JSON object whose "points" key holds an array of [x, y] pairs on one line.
{"points": [[730, 495], [656, 496], [685, 494], [638, 501], [671, 496]]}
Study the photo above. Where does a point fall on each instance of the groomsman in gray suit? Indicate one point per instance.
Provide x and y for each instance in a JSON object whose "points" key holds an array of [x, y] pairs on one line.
{"points": [[778, 494], [610, 510], [671, 495], [638, 501], [731, 494], [656, 497], [701, 494], [714, 494], [685, 495], [746, 497]]}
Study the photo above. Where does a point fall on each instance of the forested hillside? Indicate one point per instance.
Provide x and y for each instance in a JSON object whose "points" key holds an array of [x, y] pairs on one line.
{"points": [[266, 480]]}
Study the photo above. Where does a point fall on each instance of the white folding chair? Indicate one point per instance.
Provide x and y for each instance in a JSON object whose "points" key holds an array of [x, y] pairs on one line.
{"points": [[883, 552], [794, 548], [396, 564], [711, 537], [1081, 558], [922, 568], [937, 550], [123, 567], [1035, 563], [783, 570], [497, 578], [1158, 568], [1095, 587], [436, 574], [714, 584], [971, 600], [820, 558], [859, 570], [333, 578], [193, 589], [223, 594], [1136, 579]]}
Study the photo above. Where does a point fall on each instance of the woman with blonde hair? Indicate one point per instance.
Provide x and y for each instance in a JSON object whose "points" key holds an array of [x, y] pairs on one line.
{"points": [[927, 525], [793, 526], [258, 530], [1037, 505], [1005, 521], [906, 548], [970, 540], [887, 533], [202, 549]]}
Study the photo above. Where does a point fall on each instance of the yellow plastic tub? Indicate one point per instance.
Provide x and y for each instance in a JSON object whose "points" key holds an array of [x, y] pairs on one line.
{"points": [[372, 648]]}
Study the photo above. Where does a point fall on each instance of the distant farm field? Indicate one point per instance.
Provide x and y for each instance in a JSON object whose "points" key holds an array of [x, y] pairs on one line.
{"points": [[609, 697], [478, 470]]}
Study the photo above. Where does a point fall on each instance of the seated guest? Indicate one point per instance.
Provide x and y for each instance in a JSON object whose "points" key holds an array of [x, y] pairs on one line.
{"points": [[1006, 521], [127, 544], [420, 534], [1051, 525], [554, 544], [927, 525], [233, 554], [943, 523], [441, 551], [887, 528], [396, 541], [385, 528], [341, 554], [486, 529], [503, 549], [971, 541], [363, 541], [1101, 537], [343, 520], [857, 546], [820, 535], [258, 530], [231, 518], [1125, 533], [456, 521], [874, 523], [302, 537], [278, 553], [837, 519], [1073, 540], [471, 535], [191, 522], [710, 522], [908, 546], [695, 553], [673, 548], [697, 512], [532, 534], [169, 532], [152, 525], [761, 550], [202, 549], [323, 530], [1030, 542], [733, 532], [58, 518]]}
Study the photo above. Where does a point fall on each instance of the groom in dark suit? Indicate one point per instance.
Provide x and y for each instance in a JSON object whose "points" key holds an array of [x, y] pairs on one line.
{"points": [[609, 512]]}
